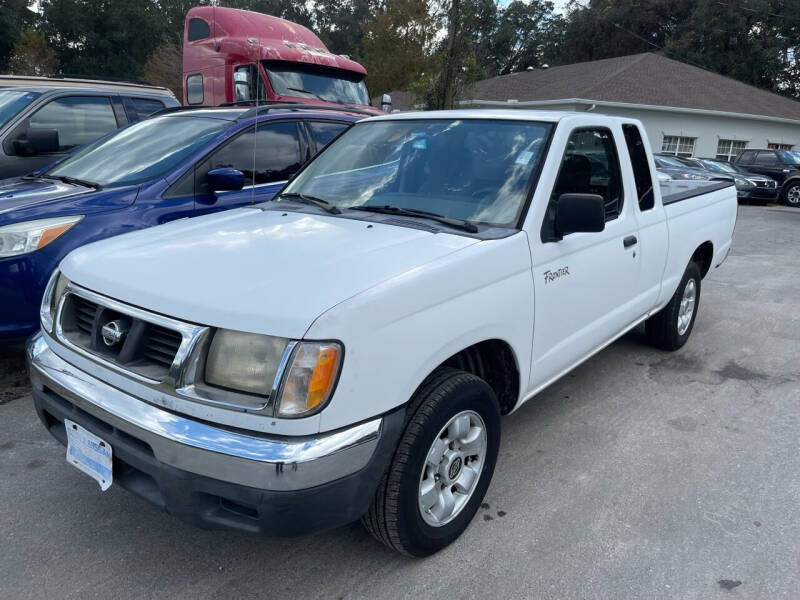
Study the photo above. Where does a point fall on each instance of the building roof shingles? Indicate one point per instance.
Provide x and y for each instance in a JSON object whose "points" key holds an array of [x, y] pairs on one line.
{"points": [[646, 78]]}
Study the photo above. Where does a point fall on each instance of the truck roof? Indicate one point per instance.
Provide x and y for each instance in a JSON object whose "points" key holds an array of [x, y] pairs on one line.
{"points": [[43, 84], [271, 38]]}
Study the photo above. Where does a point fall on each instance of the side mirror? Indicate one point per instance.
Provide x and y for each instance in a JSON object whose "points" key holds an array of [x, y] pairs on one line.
{"points": [[580, 213], [37, 141], [241, 86], [386, 103], [225, 179]]}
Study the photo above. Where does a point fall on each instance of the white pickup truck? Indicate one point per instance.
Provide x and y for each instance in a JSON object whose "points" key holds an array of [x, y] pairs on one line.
{"points": [[347, 350]]}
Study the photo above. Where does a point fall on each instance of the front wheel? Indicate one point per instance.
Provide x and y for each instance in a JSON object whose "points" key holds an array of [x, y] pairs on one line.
{"points": [[670, 327], [792, 194], [442, 466]]}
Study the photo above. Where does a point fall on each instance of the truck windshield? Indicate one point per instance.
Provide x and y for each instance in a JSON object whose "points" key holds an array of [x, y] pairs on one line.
{"points": [[13, 101], [467, 169], [143, 151], [331, 85]]}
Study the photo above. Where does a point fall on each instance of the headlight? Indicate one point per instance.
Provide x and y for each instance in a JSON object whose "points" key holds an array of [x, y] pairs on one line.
{"points": [[310, 379], [52, 294], [301, 374], [743, 183], [245, 362], [21, 238]]}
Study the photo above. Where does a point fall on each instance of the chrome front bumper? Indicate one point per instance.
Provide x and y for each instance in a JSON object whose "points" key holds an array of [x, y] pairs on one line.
{"points": [[258, 461]]}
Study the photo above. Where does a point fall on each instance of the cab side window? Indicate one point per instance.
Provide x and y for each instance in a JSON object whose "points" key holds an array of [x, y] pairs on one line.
{"points": [[767, 159], [747, 157], [268, 155], [78, 119], [146, 106], [323, 132], [641, 166], [590, 166]]}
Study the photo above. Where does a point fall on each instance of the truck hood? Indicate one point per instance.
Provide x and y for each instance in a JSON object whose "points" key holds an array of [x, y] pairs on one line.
{"points": [[263, 271], [25, 198]]}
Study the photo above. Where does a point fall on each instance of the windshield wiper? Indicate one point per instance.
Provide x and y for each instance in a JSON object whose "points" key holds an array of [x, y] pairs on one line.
{"points": [[313, 200], [302, 91], [71, 180], [387, 209]]}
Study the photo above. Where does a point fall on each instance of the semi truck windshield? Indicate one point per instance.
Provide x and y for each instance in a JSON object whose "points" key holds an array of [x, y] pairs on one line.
{"points": [[310, 81]]}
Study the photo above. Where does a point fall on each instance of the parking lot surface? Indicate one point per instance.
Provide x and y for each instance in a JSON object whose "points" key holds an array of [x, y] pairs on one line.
{"points": [[642, 474]]}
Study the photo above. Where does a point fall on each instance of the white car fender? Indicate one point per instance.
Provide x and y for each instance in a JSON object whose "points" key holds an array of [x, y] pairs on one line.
{"points": [[482, 292]]}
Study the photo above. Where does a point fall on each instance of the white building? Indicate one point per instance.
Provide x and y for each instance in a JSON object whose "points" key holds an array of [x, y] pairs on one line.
{"points": [[686, 110]]}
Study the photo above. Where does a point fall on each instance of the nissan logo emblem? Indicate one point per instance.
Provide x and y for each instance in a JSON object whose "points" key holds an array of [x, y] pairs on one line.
{"points": [[113, 332]]}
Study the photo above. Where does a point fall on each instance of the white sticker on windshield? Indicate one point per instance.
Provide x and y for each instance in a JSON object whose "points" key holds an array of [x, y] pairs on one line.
{"points": [[524, 157]]}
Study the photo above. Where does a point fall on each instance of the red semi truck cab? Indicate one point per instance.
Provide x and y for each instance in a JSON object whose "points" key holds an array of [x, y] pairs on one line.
{"points": [[232, 55]]}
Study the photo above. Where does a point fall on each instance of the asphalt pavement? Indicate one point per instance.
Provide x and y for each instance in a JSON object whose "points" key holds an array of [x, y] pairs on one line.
{"points": [[642, 474]]}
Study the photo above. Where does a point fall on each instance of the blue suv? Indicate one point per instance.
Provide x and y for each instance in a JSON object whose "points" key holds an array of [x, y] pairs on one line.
{"points": [[179, 163]]}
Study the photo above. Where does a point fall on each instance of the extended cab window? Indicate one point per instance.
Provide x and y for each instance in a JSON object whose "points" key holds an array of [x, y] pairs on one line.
{"points": [[270, 155], [78, 119], [322, 132], [590, 166], [641, 167]]}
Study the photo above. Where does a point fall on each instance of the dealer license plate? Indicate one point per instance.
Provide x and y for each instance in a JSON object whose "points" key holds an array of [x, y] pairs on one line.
{"points": [[89, 453]]}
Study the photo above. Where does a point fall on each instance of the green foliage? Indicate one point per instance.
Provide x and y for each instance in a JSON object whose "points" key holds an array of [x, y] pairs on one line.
{"points": [[32, 56], [14, 19]]}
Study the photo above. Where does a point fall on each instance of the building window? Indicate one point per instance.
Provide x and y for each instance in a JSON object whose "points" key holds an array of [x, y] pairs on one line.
{"points": [[729, 149], [678, 145], [780, 146]]}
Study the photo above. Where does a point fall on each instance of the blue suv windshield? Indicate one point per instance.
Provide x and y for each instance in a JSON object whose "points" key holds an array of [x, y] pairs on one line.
{"points": [[468, 169], [13, 101], [143, 151]]}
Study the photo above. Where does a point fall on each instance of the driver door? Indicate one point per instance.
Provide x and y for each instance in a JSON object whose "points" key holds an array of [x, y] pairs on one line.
{"points": [[584, 282]]}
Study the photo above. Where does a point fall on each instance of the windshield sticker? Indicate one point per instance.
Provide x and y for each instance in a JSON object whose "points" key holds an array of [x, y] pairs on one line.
{"points": [[524, 157], [418, 140]]}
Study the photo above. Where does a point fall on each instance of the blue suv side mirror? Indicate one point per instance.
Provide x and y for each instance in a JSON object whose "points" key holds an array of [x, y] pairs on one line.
{"points": [[225, 179]]}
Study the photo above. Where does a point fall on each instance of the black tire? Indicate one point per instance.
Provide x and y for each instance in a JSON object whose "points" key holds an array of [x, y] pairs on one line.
{"points": [[394, 518], [791, 195], [662, 327]]}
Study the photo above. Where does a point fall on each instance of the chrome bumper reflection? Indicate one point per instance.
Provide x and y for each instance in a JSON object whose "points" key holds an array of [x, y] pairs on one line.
{"points": [[263, 462]]}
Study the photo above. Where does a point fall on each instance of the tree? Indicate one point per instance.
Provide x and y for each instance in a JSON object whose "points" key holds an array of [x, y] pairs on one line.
{"points": [[527, 34], [163, 67], [339, 24], [14, 19], [32, 55], [97, 37], [396, 46]]}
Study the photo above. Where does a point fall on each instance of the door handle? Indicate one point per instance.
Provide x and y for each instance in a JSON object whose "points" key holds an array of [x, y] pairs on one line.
{"points": [[629, 241]]}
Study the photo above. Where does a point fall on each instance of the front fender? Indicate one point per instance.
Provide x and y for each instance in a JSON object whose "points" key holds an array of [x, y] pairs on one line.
{"points": [[399, 331]]}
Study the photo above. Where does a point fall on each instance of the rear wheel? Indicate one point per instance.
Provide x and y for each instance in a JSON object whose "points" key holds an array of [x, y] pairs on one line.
{"points": [[792, 194], [670, 327], [442, 466]]}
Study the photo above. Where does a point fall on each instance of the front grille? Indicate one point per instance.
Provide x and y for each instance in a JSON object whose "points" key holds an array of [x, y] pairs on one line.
{"points": [[765, 184], [161, 344], [140, 346], [85, 311]]}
